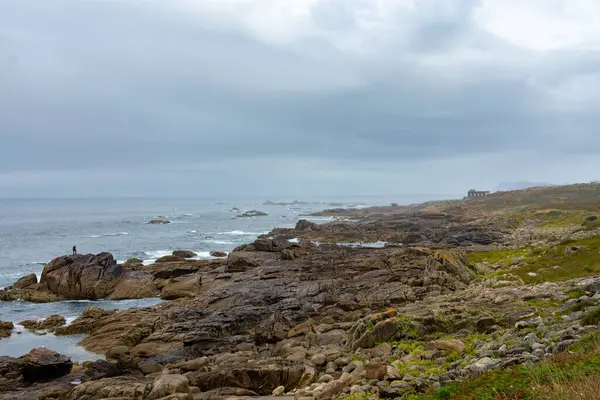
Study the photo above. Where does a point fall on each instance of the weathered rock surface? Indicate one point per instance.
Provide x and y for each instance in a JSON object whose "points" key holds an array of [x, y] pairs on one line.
{"points": [[50, 323], [43, 364], [321, 321], [184, 254], [186, 286], [25, 281], [82, 276], [39, 365], [99, 276], [6, 329]]}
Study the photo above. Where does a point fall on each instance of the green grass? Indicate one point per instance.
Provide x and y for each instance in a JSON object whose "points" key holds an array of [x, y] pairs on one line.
{"points": [[576, 293], [592, 317], [531, 382], [503, 257], [549, 264]]}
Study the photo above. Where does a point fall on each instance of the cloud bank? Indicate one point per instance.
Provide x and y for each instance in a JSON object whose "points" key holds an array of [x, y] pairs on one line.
{"points": [[230, 97]]}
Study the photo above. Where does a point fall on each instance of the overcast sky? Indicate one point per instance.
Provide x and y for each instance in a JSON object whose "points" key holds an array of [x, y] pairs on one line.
{"points": [[296, 97]]}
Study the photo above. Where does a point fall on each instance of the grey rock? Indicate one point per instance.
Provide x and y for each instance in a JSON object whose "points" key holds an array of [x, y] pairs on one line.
{"points": [[477, 369], [530, 339]]}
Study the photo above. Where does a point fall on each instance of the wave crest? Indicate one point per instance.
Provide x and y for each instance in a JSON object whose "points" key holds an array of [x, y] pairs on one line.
{"points": [[110, 234]]}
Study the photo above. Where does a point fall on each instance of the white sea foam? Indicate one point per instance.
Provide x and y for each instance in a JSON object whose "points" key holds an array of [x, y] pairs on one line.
{"points": [[110, 234], [69, 320], [156, 254], [241, 233], [316, 219], [217, 241], [372, 245], [294, 240], [193, 231], [203, 255]]}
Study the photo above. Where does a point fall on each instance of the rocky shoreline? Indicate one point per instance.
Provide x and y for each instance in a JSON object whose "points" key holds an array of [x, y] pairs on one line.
{"points": [[448, 298]]}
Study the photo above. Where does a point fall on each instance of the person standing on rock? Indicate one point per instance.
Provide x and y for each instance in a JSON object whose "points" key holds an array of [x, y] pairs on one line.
{"points": [[74, 250]]}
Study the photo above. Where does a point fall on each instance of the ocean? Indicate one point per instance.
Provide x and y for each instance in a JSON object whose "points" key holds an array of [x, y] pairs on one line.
{"points": [[33, 232]]}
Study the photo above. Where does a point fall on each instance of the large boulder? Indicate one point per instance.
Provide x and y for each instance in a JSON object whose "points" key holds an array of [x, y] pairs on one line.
{"points": [[25, 281], [82, 276], [93, 277], [41, 365], [184, 254]]}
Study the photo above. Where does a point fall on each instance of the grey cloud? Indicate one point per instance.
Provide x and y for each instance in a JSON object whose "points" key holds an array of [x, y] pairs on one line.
{"points": [[92, 91]]}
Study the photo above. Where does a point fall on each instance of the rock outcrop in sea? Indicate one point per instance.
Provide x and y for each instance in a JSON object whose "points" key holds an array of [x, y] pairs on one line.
{"points": [[94, 277]]}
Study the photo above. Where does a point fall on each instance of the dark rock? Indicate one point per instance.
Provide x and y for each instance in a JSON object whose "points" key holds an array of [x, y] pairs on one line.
{"points": [[184, 254], [159, 222], [25, 281], [41, 365], [266, 245], [171, 258], [562, 346], [173, 272], [252, 213], [469, 238], [262, 379], [6, 329], [82, 276], [101, 369], [240, 261], [304, 225], [218, 254], [485, 322]]}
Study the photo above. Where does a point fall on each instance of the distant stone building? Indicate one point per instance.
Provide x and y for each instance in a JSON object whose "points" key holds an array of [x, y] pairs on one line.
{"points": [[476, 193]]}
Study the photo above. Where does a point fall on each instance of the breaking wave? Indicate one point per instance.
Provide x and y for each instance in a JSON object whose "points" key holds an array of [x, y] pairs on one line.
{"points": [[110, 234]]}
